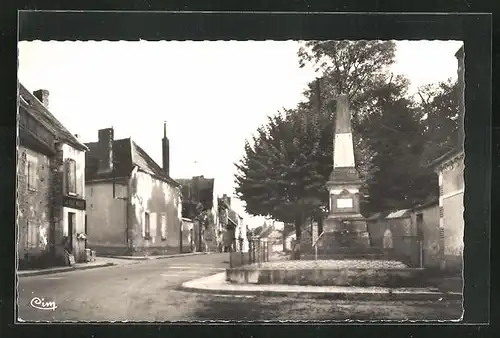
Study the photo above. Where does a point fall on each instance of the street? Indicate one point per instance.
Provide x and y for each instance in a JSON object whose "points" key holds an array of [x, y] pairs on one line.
{"points": [[147, 291]]}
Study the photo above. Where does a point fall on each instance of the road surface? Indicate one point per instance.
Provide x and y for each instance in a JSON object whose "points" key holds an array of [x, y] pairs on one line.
{"points": [[148, 291]]}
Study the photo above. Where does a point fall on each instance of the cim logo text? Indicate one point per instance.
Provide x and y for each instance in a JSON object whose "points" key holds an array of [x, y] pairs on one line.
{"points": [[41, 304]]}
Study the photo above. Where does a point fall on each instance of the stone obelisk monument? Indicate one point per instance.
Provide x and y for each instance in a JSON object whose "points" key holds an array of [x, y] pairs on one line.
{"points": [[344, 226]]}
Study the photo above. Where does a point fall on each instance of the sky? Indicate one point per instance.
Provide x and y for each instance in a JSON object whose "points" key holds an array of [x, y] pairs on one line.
{"points": [[213, 95]]}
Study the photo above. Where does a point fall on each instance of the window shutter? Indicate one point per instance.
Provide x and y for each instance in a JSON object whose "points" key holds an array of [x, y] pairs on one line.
{"points": [[143, 224], [163, 226]]}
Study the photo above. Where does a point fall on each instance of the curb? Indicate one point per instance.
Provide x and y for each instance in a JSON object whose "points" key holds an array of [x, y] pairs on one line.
{"points": [[399, 296], [59, 270], [145, 258], [360, 296]]}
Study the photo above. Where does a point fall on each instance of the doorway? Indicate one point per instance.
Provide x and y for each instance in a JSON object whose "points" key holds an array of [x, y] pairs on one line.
{"points": [[86, 232], [71, 226]]}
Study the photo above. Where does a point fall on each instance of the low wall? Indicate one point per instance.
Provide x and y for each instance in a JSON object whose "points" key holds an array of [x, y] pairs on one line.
{"points": [[404, 277], [138, 251]]}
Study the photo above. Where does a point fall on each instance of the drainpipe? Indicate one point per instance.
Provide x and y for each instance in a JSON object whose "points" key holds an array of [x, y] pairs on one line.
{"points": [[128, 200]]}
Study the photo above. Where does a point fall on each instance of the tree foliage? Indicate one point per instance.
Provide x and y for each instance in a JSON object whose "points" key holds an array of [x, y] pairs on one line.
{"points": [[288, 161], [439, 104]]}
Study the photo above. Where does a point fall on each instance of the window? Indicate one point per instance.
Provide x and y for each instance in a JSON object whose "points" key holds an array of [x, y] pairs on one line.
{"points": [[71, 176], [420, 222], [147, 226], [163, 220], [32, 175]]}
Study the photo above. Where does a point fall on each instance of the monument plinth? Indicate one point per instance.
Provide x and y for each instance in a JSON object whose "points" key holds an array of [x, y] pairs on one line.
{"points": [[345, 225]]}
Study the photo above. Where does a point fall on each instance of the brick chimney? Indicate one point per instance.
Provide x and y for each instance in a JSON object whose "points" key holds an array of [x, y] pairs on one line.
{"points": [[106, 137], [460, 55], [165, 151], [43, 96]]}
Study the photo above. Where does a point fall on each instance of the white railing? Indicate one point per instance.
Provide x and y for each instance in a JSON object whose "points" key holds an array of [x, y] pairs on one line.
{"points": [[315, 245]]}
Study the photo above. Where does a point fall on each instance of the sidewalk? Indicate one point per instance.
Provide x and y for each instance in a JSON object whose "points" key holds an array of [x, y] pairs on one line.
{"points": [[217, 284], [99, 263], [141, 258]]}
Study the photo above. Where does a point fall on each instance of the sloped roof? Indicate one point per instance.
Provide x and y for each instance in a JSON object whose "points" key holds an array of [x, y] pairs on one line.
{"points": [[399, 214], [126, 155], [36, 109], [233, 216], [200, 187], [266, 232], [122, 161]]}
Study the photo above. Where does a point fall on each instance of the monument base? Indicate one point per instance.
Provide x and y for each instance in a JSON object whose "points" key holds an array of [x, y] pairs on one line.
{"points": [[345, 234]]}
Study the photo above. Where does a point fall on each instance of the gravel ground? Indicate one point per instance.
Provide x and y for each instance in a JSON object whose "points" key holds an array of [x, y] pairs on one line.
{"points": [[331, 264]]}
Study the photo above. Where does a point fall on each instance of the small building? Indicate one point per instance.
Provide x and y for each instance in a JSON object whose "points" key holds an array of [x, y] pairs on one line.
{"points": [[231, 225], [50, 185], [411, 235], [199, 202], [425, 217], [134, 207]]}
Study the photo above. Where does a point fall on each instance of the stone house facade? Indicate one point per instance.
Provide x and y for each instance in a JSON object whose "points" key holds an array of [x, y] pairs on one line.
{"points": [[450, 168], [50, 185], [133, 207]]}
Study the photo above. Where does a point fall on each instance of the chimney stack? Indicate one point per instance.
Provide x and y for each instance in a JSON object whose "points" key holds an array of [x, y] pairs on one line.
{"points": [[43, 96], [165, 150], [106, 138]]}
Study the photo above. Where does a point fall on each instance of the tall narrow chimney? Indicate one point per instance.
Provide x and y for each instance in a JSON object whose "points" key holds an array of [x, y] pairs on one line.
{"points": [[106, 138], [460, 55], [43, 96], [165, 150]]}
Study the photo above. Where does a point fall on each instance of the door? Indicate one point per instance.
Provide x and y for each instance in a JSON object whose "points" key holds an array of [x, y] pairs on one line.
{"points": [[71, 226], [420, 239]]}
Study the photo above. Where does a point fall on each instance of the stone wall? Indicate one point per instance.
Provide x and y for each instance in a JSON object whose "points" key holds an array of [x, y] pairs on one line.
{"points": [[107, 217], [430, 234], [34, 203], [452, 208]]}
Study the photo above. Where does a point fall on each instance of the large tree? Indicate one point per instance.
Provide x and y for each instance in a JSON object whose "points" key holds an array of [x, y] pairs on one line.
{"points": [[394, 131], [439, 104]]}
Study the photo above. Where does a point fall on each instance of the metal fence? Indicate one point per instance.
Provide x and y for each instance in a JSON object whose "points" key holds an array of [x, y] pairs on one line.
{"points": [[258, 251]]}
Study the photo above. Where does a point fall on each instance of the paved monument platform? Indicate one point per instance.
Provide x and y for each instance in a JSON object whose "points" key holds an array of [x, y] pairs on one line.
{"points": [[217, 284]]}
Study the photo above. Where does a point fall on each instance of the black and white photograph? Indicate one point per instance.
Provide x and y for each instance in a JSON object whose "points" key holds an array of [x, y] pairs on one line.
{"points": [[297, 180]]}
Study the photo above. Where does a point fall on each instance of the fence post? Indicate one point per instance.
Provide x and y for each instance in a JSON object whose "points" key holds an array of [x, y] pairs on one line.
{"points": [[259, 251]]}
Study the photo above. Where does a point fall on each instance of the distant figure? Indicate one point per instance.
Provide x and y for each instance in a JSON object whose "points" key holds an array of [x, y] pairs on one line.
{"points": [[387, 241]]}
